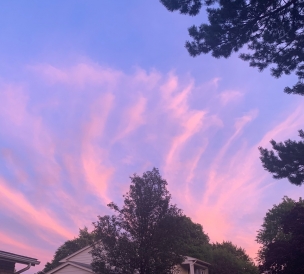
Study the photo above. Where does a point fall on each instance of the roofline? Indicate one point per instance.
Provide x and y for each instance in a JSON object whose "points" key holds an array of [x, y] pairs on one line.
{"points": [[11, 257], [202, 263], [197, 260], [75, 253], [68, 263]]}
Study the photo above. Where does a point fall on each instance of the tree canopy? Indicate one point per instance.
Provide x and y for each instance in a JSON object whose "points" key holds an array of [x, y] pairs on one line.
{"points": [[142, 236], [272, 29], [286, 160], [150, 235], [227, 258], [282, 238], [191, 239]]}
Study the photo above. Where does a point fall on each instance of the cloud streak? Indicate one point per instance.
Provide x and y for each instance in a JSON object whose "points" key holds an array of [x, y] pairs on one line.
{"points": [[68, 153]]}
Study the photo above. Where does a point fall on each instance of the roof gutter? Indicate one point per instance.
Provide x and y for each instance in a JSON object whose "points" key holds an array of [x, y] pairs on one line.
{"points": [[23, 269]]}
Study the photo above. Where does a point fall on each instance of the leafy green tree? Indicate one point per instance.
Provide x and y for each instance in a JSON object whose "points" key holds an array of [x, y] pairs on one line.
{"points": [[286, 160], [282, 238], [272, 30], [228, 258], [141, 236], [69, 247]]}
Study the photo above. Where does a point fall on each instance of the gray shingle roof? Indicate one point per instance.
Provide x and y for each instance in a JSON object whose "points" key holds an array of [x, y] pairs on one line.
{"points": [[11, 257]]}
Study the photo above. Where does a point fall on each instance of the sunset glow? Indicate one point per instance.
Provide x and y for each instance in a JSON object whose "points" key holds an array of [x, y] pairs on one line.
{"points": [[93, 92]]}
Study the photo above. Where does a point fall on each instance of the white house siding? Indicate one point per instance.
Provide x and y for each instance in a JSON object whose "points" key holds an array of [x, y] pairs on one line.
{"points": [[70, 269], [84, 257]]}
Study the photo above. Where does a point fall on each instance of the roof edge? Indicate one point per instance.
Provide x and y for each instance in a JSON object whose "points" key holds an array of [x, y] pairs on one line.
{"points": [[12, 257], [75, 253], [196, 260], [68, 263]]}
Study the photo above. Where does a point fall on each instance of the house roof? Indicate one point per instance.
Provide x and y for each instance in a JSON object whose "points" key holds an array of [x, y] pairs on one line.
{"points": [[15, 258], [195, 261], [69, 261], [83, 266], [74, 254]]}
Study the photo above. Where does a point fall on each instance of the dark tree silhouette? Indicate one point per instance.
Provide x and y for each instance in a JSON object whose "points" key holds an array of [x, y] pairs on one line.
{"points": [[142, 237], [228, 258], [273, 30], [286, 160], [283, 253]]}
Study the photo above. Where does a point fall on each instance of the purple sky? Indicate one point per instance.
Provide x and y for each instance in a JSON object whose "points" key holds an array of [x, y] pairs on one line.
{"points": [[94, 91]]}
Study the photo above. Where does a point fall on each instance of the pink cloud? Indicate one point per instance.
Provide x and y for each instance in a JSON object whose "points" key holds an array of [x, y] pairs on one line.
{"points": [[141, 80], [191, 126], [96, 172], [229, 96], [16, 203], [14, 164], [193, 164], [12, 243], [235, 186], [133, 118], [214, 82], [213, 182], [186, 124], [22, 124], [242, 121], [286, 129]]}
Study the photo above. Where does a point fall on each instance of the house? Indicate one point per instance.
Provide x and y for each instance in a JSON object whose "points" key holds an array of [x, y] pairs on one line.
{"points": [[80, 263], [9, 260], [194, 266]]}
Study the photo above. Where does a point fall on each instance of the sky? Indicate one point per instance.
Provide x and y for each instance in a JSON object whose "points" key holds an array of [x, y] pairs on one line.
{"points": [[92, 92]]}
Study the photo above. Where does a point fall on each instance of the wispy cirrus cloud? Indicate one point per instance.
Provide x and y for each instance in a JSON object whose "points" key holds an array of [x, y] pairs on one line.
{"points": [[230, 96], [133, 118], [66, 154], [236, 183], [19, 206]]}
